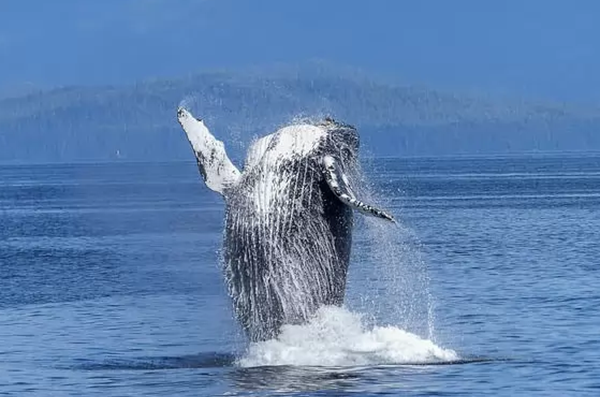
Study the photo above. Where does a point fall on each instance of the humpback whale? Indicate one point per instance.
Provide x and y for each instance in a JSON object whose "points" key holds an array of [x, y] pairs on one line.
{"points": [[288, 219]]}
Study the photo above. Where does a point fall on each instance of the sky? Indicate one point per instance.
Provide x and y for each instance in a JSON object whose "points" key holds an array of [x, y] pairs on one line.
{"points": [[537, 48]]}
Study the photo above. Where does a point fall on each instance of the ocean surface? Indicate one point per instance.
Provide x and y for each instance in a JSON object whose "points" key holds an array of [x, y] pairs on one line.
{"points": [[490, 285]]}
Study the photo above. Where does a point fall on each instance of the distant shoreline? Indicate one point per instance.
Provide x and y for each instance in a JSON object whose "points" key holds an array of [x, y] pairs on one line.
{"points": [[531, 154]]}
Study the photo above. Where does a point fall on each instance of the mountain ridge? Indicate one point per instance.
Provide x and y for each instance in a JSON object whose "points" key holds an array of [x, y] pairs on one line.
{"points": [[94, 122]]}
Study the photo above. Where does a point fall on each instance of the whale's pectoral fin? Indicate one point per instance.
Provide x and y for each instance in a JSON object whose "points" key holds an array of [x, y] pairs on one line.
{"points": [[216, 168], [339, 186]]}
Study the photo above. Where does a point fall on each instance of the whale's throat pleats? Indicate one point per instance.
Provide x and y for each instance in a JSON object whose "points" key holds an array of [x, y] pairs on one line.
{"points": [[287, 245]]}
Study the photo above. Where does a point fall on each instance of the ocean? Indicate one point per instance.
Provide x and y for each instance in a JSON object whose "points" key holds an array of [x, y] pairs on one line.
{"points": [[110, 285]]}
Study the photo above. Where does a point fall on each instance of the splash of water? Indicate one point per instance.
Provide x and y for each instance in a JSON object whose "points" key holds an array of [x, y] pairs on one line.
{"points": [[338, 337], [389, 277], [389, 285]]}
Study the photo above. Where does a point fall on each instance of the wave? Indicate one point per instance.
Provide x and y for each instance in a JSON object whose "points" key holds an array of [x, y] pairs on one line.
{"points": [[338, 337]]}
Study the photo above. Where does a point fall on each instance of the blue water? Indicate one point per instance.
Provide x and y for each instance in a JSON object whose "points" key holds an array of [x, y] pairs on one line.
{"points": [[110, 285]]}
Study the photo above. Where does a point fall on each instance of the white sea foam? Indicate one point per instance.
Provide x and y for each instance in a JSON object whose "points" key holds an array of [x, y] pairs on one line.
{"points": [[338, 337]]}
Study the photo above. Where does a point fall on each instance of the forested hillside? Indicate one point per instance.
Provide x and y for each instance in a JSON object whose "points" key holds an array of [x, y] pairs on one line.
{"points": [[137, 122]]}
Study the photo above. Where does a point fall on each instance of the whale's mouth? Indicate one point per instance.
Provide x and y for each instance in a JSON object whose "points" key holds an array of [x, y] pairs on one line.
{"points": [[337, 337]]}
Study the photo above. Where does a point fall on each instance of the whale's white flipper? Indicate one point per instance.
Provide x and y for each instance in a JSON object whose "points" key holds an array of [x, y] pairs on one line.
{"points": [[216, 168], [339, 186]]}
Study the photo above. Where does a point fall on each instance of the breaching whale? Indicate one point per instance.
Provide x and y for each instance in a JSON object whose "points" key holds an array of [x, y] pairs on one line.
{"points": [[289, 218]]}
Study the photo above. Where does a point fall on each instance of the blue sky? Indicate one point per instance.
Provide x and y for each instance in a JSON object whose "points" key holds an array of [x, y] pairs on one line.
{"points": [[535, 48]]}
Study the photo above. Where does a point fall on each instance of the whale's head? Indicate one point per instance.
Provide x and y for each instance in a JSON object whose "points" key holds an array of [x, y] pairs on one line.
{"points": [[328, 145], [314, 141]]}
